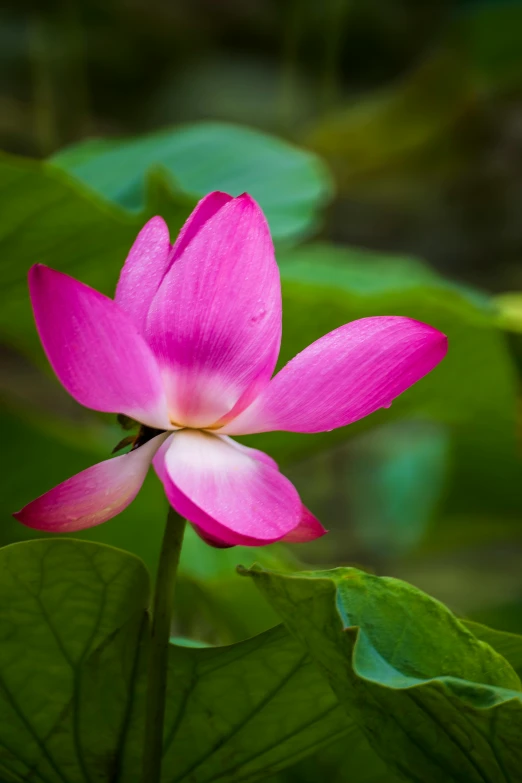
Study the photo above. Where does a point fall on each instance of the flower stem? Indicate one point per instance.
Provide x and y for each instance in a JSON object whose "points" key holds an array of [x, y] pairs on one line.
{"points": [[159, 646]]}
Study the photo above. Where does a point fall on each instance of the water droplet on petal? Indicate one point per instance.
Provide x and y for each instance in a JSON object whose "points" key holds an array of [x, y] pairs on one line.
{"points": [[259, 315]]}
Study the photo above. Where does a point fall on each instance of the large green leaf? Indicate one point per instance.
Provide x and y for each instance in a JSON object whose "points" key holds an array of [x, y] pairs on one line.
{"points": [[64, 606], [434, 701], [236, 712], [509, 645], [360, 765], [290, 184], [74, 633], [348, 760], [510, 310]]}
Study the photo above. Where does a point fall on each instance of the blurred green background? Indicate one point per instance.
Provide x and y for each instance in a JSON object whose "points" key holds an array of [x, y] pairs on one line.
{"points": [[383, 138]]}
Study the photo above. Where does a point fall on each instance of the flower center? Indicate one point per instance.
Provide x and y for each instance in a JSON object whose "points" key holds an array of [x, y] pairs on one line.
{"points": [[143, 434]]}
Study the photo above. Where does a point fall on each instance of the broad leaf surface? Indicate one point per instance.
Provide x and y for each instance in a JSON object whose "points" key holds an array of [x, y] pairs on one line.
{"points": [[360, 764], [74, 634], [434, 701], [291, 185], [347, 760], [236, 713], [509, 645], [64, 604]]}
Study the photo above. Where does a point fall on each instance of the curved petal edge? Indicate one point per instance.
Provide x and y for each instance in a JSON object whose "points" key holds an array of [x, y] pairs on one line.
{"points": [[143, 271], [215, 322], [232, 497], [96, 351], [308, 529], [92, 496], [344, 376]]}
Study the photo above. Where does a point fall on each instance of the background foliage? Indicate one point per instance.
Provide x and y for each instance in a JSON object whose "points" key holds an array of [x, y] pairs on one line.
{"points": [[382, 139]]}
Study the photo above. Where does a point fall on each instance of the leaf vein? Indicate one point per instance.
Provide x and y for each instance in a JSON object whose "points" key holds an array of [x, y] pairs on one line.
{"points": [[257, 709]]}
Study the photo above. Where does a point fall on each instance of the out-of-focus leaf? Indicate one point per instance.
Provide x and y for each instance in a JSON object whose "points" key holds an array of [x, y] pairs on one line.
{"points": [[455, 530], [477, 578], [404, 127], [369, 273], [509, 308], [434, 701], [291, 185], [378, 493], [396, 480], [74, 633], [474, 389], [508, 615], [182, 641], [212, 601]]}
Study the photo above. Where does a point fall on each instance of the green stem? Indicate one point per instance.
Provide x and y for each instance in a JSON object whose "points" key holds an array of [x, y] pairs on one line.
{"points": [[159, 646]]}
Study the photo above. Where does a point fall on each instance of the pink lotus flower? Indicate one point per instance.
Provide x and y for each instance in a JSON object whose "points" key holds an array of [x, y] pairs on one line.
{"points": [[187, 349]]}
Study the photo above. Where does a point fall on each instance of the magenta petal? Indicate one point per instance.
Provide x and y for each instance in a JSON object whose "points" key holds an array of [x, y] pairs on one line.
{"points": [[210, 540], [309, 526], [206, 208], [254, 453], [215, 323], [95, 350], [308, 529], [92, 496], [144, 270], [346, 375], [152, 255], [232, 497]]}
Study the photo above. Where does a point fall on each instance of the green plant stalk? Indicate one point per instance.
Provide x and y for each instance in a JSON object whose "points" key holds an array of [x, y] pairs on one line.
{"points": [[159, 646]]}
